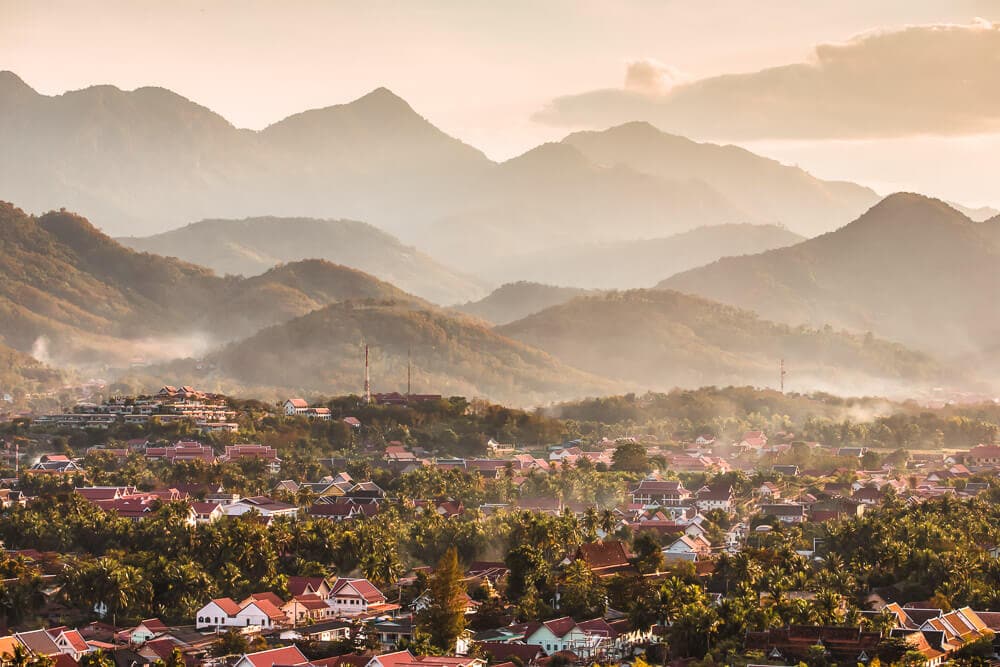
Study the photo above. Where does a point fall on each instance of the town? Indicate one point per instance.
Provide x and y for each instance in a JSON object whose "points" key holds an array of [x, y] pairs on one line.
{"points": [[397, 529]]}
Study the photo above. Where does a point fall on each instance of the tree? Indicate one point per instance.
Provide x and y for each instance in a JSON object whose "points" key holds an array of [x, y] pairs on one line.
{"points": [[630, 457], [648, 556], [443, 617], [231, 642], [582, 593]]}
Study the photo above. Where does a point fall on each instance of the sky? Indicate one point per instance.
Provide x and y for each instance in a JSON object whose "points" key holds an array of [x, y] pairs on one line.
{"points": [[896, 94]]}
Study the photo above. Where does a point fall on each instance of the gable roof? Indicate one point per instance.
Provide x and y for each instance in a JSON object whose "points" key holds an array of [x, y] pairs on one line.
{"points": [[286, 655], [364, 588], [303, 585]]}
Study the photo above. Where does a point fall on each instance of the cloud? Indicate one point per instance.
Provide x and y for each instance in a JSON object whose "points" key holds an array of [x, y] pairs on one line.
{"points": [[918, 80], [650, 77]]}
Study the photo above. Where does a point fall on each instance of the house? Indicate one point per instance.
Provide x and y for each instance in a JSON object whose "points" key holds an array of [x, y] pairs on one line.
{"points": [[498, 652], [686, 547], [226, 613], [397, 452], [207, 512], [558, 634], [307, 608], [262, 452], [719, 497], [295, 406], [286, 656], [39, 642], [852, 452], [318, 586], [55, 464], [605, 558], [424, 600], [146, 630], [70, 642], [784, 512], [343, 510], [844, 645], [353, 597], [753, 440], [659, 492], [262, 505], [983, 456], [769, 490], [323, 631]]}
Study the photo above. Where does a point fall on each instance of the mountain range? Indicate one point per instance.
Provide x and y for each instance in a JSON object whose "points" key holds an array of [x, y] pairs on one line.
{"points": [[911, 269], [513, 301], [659, 339], [72, 291], [145, 161], [639, 262], [254, 245]]}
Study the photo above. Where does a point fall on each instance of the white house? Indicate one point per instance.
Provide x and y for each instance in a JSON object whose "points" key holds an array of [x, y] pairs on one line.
{"points": [[686, 547], [226, 613], [353, 597], [559, 634], [295, 406]]}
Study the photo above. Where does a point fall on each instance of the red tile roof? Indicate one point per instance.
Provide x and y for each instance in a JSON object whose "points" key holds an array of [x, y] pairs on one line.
{"points": [[286, 655]]}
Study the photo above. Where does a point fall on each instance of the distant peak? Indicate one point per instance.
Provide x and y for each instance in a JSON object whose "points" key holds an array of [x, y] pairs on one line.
{"points": [[11, 83], [549, 152], [910, 209], [383, 98]]}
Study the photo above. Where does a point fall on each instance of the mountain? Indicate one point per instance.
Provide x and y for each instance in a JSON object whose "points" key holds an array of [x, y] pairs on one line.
{"points": [[640, 263], [516, 300], [763, 189], [137, 161], [66, 286], [911, 269], [451, 355], [254, 245], [658, 339], [554, 195]]}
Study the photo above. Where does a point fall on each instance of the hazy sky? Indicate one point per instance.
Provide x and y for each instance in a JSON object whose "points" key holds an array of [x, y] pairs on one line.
{"points": [[507, 75]]}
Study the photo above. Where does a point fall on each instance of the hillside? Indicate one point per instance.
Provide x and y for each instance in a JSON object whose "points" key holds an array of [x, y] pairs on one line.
{"points": [[252, 246], [640, 263], [658, 339], [93, 300], [138, 161], [765, 190], [21, 373], [911, 269], [451, 355], [516, 300]]}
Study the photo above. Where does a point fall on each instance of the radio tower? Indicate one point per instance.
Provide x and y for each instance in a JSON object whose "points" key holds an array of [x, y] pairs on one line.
{"points": [[368, 383], [407, 374], [782, 374]]}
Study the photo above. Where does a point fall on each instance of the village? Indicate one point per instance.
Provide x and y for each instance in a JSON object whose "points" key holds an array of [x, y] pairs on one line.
{"points": [[620, 549]]}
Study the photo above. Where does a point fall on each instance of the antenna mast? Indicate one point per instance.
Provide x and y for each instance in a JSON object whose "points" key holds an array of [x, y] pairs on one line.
{"points": [[782, 375], [368, 383], [408, 373]]}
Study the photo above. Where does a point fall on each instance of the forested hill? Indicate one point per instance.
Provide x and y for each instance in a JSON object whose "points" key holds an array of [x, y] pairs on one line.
{"points": [[449, 354], [92, 299], [658, 339], [253, 245], [516, 300], [912, 269]]}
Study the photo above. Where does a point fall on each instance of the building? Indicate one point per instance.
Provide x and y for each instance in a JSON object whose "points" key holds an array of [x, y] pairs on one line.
{"points": [[354, 597]]}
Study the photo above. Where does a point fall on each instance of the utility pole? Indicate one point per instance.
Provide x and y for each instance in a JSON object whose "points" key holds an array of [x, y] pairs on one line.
{"points": [[782, 375], [368, 383]]}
